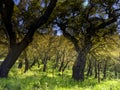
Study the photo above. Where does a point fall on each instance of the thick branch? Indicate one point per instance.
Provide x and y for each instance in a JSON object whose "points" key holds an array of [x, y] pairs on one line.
{"points": [[106, 23], [69, 37], [40, 21], [6, 10]]}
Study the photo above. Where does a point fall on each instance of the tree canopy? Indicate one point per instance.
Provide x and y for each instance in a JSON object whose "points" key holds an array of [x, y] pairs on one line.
{"points": [[90, 26]]}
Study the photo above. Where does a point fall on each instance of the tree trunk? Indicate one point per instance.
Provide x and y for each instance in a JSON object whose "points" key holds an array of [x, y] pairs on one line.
{"points": [[26, 63], [115, 70], [89, 72], [45, 66], [38, 63], [98, 72], [65, 66], [11, 58], [78, 67], [62, 61], [61, 66], [33, 63], [82, 50], [105, 69], [20, 64], [45, 63], [56, 62], [95, 66]]}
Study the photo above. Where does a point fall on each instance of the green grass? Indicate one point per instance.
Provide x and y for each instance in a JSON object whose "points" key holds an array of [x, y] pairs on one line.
{"points": [[35, 80]]}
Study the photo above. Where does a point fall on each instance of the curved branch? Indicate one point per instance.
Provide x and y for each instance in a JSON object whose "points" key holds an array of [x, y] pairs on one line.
{"points": [[40, 21], [6, 10], [106, 23], [68, 36]]}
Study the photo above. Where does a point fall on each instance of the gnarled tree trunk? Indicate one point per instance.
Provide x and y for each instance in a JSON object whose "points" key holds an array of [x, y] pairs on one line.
{"points": [[11, 58], [6, 10], [78, 67]]}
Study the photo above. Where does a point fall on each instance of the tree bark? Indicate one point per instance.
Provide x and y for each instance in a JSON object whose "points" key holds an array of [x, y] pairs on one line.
{"points": [[105, 70], [11, 58], [57, 59], [6, 10], [78, 67], [26, 62], [89, 72], [62, 61], [61, 66], [45, 66], [115, 71], [65, 66], [98, 72], [20, 64], [95, 69], [45, 63], [33, 63]]}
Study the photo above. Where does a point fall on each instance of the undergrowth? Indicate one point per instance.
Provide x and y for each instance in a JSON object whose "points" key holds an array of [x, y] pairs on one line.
{"points": [[36, 80]]}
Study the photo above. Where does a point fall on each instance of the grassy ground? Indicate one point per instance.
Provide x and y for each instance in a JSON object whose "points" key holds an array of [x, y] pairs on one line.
{"points": [[34, 80]]}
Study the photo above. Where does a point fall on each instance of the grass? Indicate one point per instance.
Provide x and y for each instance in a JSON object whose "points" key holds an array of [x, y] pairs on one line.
{"points": [[35, 80]]}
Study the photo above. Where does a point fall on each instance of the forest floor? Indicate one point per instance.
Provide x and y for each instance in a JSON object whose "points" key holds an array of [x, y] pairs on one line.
{"points": [[36, 80]]}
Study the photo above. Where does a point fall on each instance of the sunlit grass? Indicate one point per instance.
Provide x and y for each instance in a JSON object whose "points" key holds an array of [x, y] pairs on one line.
{"points": [[36, 80]]}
